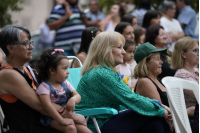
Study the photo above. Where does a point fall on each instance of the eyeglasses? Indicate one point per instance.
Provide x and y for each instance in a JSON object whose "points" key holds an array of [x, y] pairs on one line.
{"points": [[26, 44], [196, 50]]}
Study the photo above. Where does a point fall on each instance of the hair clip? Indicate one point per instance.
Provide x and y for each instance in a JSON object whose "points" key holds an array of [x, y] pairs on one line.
{"points": [[57, 50]]}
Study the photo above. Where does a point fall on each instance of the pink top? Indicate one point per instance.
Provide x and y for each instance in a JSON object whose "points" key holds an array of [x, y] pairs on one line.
{"points": [[184, 74], [44, 89]]}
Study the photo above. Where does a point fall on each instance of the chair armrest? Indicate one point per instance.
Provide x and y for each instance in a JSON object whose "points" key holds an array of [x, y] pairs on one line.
{"points": [[97, 111]]}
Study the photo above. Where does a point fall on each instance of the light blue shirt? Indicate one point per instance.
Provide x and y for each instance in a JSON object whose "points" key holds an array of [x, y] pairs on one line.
{"points": [[187, 16], [93, 17]]}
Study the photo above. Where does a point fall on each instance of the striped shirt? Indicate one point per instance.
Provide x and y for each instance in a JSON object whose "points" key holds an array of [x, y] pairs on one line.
{"points": [[70, 32]]}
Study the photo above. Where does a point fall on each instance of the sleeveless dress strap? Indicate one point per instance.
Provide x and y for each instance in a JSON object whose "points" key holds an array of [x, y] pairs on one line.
{"points": [[31, 77], [66, 88], [51, 89]]}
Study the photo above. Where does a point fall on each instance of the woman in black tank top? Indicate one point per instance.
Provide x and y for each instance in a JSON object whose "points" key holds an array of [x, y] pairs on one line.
{"points": [[149, 66], [20, 104]]}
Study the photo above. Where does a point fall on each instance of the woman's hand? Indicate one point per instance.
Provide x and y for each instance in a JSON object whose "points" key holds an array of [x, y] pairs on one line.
{"points": [[67, 121], [70, 105], [168, 117], [190, 111], [78, 119]]}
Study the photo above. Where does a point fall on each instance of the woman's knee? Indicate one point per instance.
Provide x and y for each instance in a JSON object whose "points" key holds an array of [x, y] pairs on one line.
{"points": [[70, 128]]}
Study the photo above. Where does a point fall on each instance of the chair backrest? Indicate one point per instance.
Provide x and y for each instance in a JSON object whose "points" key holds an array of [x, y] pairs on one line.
{"points": [[176, 100], [71, 58], [74, 75]]}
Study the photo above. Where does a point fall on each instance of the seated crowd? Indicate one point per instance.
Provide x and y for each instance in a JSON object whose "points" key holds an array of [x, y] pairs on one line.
{"points": [[123, 64]]}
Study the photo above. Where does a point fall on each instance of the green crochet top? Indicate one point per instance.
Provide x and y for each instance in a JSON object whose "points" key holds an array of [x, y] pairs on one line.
{"points": [[102, 87]]}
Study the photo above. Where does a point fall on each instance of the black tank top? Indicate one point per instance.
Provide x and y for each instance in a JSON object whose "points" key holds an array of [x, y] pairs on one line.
{"points": [[20, 117], [163, 95]]}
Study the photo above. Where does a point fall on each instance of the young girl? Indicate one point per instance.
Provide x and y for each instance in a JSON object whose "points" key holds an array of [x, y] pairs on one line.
{"points": [[139, 35], [124, 69], [52, 68]]}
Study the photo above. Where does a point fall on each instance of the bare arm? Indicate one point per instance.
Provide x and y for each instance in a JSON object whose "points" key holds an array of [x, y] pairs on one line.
{"points": [[46, 102], [75, 99], [190, 93], [14, 83], [91, 23], [58, 23], [176, 37], [146, 88], [81, 57]]}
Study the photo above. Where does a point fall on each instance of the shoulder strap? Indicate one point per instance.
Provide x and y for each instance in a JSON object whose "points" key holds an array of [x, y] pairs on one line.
{"points": [[51, 89], [5, 67], [31, 77], [66, 88]]}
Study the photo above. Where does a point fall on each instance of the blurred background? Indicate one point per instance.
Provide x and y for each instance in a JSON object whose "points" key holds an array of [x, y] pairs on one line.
{"points": [[32, 13]]}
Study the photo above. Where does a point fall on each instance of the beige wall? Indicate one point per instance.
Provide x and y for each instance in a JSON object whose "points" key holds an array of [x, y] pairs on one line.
{"points": [[33, 14]]}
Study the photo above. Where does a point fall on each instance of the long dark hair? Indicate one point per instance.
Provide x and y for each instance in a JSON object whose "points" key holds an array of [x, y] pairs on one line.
{"points": [[87, 36], [121, 26], [48, 60], [128, 18], [148, 16], [152, 32], [138, 32], [121, 10]]}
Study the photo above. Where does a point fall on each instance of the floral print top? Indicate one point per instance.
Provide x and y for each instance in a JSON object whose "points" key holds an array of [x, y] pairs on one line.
{"points": [[184, 74]]}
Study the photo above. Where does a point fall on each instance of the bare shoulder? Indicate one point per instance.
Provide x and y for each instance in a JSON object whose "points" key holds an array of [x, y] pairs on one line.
{"points": [[81, 55], [10, 78], [144, 84]]}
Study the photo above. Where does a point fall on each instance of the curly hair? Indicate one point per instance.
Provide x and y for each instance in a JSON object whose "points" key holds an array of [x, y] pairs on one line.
{"points": [[46, 61]]}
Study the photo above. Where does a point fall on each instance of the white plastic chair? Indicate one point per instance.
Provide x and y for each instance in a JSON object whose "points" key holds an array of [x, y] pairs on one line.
{"points": [[176, 100]]}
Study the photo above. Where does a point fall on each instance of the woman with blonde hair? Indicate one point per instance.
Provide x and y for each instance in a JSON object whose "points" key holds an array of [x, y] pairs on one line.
{"points": [[185, 58], [101, 86]]}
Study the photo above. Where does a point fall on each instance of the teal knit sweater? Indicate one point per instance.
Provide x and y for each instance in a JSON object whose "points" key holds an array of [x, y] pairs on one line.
{"points": [[102, 87]]}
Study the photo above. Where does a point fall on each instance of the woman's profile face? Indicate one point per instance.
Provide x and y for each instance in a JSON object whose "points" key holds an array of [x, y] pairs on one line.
{"points": [[134, 22], [192, 56], [114, 11], [128, 33], [161, 39], [142, 39], [154, 65], [21, 51], [155, 21], [118, 53]]}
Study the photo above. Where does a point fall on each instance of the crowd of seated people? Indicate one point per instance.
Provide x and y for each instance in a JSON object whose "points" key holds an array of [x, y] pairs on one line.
{"points": [[124, 58]]}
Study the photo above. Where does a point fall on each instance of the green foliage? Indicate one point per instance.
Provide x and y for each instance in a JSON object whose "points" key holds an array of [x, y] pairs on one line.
{"points": [[156, 4], [6, 6]]}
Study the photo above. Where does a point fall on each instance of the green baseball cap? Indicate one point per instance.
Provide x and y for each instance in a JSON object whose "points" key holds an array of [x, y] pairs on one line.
{"points": [[144, 50]]}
